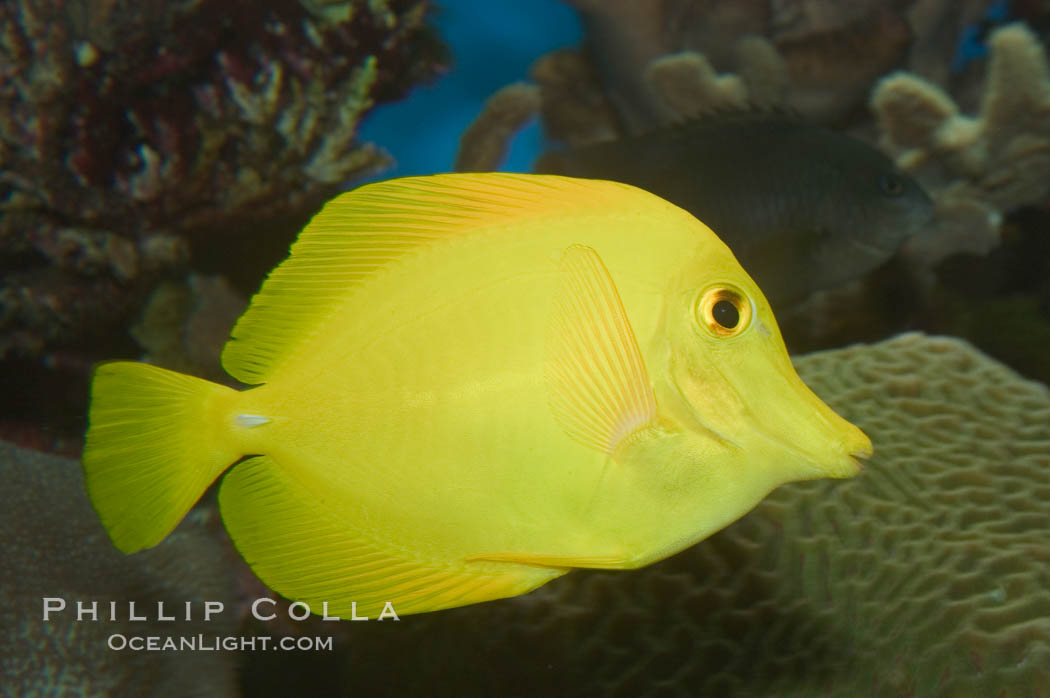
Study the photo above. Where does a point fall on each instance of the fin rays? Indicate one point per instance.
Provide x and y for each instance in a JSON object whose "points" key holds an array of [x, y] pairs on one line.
{"points": [[308, 553], [357, 234], [153, 446], [600, 390]]}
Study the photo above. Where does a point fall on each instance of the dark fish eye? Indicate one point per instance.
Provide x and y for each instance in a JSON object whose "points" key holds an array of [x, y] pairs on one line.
{"points": [[891, 184], [724, 312]]}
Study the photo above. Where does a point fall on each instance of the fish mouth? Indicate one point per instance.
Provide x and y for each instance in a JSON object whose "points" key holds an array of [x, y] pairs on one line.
{"points": [[857, 458], [840, 457], [863, 453], [844, 466]]}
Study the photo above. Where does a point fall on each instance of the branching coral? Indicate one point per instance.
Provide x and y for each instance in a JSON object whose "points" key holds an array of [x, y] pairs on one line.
{"points": [[125, 125], [647, 65], [134, 134], [1002, 155], [484, 145], [831, 52], [980, 166]]}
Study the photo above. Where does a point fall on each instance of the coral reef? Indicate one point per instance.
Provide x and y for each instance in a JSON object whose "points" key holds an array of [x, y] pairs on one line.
{"points": [[573, 106], [483, 146], [647, 65], [54, 547], [991, 163], [185, 325], [926, 575], [830, 51], [132, 135], [979, 270]]}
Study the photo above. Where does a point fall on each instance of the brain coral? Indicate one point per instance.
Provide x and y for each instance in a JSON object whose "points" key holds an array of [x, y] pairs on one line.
{"points": [[927, 575], [55, 547]]}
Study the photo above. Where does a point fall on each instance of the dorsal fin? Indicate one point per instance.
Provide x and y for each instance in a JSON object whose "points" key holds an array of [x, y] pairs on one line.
{"points": [[600, 390], [359, 233]]}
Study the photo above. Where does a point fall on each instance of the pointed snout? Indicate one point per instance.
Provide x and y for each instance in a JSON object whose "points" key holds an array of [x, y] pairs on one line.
{"points": [[823, 443]]}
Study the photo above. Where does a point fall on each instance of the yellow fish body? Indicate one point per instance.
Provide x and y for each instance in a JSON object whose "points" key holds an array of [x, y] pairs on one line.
{"points": [[465, 386]]}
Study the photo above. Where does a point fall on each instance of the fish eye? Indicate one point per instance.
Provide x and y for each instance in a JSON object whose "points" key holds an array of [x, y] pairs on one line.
{"points": [[891, 184], [724, 311]]}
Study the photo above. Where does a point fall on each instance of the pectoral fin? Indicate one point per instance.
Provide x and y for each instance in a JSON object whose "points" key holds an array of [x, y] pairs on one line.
{"points": [[599, 388]]}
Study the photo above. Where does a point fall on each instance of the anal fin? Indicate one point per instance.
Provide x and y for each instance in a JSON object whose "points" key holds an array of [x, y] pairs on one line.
{"points": [[305, 549]]}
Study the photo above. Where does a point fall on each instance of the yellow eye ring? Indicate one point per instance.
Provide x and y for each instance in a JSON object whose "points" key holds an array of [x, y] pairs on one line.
{"points": [[723, 311]]}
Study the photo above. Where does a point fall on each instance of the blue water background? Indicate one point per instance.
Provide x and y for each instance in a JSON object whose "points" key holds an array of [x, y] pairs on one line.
{"points": [[493, 43]]}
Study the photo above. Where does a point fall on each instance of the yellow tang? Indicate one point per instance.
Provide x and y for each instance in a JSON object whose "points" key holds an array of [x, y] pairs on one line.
{"points": [[466, 385]]}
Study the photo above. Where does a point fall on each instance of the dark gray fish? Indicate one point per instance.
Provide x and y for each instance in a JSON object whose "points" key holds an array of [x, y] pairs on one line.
{"points": [[802, 207]]}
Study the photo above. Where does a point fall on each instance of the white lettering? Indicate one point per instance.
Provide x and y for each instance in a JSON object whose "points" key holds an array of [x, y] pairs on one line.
{"points": [[324, 612], [131, 612], [388, 612], [51, 607], [255, 609], [92, 610], [122, 644], [160, 612], [211, 608], [303, 606]]}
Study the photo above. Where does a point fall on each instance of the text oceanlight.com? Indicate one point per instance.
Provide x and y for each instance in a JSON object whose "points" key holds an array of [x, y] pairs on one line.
{"points": [[210, 643]]}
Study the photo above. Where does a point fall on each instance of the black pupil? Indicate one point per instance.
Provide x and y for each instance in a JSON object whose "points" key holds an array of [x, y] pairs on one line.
{"points": [[726, 314]]}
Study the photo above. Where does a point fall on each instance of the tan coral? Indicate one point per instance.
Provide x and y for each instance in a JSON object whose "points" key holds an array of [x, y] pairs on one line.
{"points": [[927, 575], [483, 146], [833, 51], [689, 85], [977, 167], [650, 66], [576, 111], [574, 108], [1002, 154]]}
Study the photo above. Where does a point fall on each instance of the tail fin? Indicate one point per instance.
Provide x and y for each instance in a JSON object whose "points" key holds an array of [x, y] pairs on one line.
{"points": [[157, 439]]}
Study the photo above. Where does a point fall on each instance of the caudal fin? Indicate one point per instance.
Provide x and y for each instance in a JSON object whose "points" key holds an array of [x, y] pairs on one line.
{"points": [[156, 440]]}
